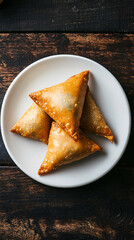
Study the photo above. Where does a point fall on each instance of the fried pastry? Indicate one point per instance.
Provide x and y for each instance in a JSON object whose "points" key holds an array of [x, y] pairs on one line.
{"points": [[92, 120], [35, 124], [64, 102], [62, 149]]}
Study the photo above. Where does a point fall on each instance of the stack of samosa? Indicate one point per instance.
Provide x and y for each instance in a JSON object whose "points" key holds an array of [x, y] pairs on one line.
{"points": [[70, 107]]}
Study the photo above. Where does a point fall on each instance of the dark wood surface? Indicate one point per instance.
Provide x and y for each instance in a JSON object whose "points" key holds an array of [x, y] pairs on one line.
{"points": [[67, 15], [101, 210]]}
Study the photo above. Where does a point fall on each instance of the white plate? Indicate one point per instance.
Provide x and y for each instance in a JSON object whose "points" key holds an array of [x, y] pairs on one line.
{"points": [[108, 94]]}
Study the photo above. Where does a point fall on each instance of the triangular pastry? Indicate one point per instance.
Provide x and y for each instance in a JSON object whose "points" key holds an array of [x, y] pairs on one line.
{"points": [[64, 102], [62, 149], [35, 124], [92, 120]]}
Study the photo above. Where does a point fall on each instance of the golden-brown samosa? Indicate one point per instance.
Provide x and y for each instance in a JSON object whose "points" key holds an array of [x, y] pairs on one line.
{"points": [[62, 149], [35, 124], [64, 102], [92, 120]]}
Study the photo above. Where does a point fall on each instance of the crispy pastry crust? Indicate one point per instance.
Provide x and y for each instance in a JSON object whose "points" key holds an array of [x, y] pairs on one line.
{"points": [[92, 120], [35, 124], [64, 102], [62, 149]]}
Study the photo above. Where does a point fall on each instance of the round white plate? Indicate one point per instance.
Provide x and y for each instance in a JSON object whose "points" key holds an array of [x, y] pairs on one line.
{"points": [[108, 94]]}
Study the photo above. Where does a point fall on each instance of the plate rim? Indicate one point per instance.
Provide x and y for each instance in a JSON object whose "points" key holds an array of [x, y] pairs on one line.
{"points": [[17, 79]]}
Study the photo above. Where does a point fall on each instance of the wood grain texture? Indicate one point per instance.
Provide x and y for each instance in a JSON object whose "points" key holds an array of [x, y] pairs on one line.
{"points": [[67, 15], [114, 51], [102, 210]]}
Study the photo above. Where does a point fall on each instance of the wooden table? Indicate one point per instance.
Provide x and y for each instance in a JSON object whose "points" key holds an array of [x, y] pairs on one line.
{"points": [[102, 31]]}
